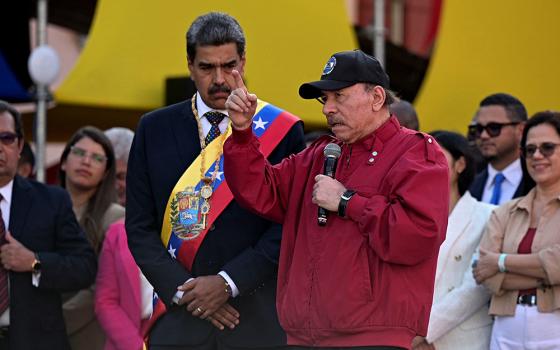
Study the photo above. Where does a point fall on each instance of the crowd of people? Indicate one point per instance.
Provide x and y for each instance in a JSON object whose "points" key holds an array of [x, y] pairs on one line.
{"points": [[371, 236]]}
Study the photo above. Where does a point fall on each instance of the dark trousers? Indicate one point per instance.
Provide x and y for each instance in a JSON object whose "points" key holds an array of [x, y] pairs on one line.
{"points": [[349, 348], [214, 345]]}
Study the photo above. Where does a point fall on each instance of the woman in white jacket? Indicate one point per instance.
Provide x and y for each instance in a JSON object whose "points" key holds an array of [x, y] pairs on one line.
{"points": [[459, 317]]}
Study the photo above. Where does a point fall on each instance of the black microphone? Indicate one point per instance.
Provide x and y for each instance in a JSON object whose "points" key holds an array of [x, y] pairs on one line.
{"points": [[332, 153]]}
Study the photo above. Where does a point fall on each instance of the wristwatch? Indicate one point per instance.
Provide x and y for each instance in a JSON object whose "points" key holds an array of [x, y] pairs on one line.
{"points": [[344, 198], [36, 265]]}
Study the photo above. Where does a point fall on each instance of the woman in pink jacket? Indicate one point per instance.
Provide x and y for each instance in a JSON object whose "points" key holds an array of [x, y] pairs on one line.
{"points": [[123, 296]]}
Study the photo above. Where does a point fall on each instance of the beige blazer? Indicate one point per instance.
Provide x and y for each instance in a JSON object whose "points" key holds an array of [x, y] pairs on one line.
{"points": [[84, 332], [506, 228], [459, 313]]}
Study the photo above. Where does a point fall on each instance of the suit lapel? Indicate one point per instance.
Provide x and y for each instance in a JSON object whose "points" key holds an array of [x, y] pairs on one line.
{"points": [[21, 205], [183, 125], [459, 221]]}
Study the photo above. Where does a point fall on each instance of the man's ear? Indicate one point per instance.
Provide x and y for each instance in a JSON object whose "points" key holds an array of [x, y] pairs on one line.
{"points": [[378, 98]]}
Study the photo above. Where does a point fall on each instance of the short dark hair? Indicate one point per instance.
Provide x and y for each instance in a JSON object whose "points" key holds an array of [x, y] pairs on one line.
{"points": [[515, 110], [214, 29], [458, 146], [6, 107], [26, 155]]}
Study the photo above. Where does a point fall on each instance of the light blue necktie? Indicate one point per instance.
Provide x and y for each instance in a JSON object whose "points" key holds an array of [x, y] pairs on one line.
{"points": [[497, 192]]}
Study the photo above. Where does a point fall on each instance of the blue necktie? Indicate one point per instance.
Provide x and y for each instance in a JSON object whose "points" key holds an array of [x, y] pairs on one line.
{"points": [[497, 192], [214, 118]]}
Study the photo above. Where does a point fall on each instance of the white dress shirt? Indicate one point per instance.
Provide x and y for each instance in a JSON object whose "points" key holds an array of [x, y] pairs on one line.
{"points": [[202, 108], [513, 175], [6, 192]]}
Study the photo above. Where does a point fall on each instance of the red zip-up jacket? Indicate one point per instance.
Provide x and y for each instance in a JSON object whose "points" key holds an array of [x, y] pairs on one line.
{"points": [[366, 279]]}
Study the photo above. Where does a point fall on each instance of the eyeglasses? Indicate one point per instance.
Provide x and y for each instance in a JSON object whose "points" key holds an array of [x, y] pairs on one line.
{"points": [[81, 153], [493, 129], [546, 149], [7, 138]]}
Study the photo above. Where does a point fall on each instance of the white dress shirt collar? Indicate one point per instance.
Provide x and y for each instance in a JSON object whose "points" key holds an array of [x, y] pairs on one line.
{"points": [[513, 175], [5, 204], [203, 108]]}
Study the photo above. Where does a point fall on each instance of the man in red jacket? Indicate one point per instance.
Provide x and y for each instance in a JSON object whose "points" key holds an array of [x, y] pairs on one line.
{"points": [[364, 279]]}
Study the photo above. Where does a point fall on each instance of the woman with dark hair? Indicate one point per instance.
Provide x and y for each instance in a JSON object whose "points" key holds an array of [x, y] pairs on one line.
{"points": [[520, 251], [87, 171], [459, 313]]}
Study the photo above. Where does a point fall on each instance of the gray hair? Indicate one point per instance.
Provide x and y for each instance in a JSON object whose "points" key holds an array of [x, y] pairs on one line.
{"points": [[121, 139], [214, 29]]}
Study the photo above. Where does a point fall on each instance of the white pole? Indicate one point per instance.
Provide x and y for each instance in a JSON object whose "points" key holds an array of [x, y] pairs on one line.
{"points": [[42, 96], [379, 31]]}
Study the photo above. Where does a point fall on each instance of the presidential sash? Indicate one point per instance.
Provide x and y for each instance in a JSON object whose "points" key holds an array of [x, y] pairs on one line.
{"points": [[182, 213]]}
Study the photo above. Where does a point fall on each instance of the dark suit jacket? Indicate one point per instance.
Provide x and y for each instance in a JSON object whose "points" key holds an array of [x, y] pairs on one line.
{"points": [[477, 187], [41, 218], [240, 243]]}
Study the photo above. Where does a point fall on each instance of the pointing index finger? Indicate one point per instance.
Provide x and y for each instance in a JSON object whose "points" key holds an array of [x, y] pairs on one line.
{"points": [[239, 84]]}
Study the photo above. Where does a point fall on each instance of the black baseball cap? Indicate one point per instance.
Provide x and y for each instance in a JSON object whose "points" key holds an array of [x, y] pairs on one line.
{"points": [[345, 69]]}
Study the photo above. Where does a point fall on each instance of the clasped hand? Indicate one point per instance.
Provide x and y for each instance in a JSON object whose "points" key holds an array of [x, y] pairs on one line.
{"points": [[15, 256], [327, 192], [486, 266], [206, 298]]}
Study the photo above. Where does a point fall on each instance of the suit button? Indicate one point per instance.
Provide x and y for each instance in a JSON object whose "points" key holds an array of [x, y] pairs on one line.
{"points": [[213, 227], [458, 257]]}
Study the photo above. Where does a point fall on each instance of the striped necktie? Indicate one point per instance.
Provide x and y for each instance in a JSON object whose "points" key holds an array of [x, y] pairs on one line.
{"points": [[4, 293], [215, 119]]}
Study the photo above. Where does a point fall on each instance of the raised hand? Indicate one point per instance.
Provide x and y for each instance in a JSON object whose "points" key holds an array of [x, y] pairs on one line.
{"points": [[241, 105]]}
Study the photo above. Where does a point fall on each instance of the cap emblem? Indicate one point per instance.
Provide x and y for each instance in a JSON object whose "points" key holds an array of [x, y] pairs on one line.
{"points": [[329, 66]]}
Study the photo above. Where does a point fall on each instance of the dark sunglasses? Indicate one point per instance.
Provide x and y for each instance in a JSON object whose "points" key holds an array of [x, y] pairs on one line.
{"points": [[493, 129], [546, 149], [7, 138]]}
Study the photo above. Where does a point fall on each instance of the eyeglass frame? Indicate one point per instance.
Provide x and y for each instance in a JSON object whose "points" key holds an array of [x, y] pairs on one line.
{"points": [[6, 136], [479, 129], [544, 153], [97, 158]]}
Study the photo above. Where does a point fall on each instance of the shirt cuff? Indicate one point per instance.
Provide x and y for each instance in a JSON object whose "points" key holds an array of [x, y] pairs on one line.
{"points": [[177, 297], [243, 136], [234, 290], [36, 278]]}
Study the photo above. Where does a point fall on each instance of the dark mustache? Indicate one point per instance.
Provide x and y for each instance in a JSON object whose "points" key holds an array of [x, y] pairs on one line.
{"points": [[219, 88]]}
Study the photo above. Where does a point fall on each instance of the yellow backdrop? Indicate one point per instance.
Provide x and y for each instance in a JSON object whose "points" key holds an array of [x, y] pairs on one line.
{"points": [[491, 46], [482, 47], [135, 44]]}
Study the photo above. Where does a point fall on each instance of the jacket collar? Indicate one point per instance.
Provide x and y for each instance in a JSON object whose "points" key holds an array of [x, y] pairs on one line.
{"points": [[526, 202], [21, 203], [380, 136]]}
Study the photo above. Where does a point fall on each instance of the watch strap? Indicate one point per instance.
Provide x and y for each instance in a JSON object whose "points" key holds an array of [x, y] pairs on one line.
{"points": [[344, 199]]}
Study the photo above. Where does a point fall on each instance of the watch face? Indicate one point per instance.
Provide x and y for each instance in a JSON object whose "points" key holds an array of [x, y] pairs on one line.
{"points": [[36, 267]]}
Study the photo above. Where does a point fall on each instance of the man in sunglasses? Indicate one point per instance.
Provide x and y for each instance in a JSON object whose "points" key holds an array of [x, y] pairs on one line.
{"points": [[497, 128], [43, 250]]}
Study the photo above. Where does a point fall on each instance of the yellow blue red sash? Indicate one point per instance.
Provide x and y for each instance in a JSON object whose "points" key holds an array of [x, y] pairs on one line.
{"points": [[270, 125]]}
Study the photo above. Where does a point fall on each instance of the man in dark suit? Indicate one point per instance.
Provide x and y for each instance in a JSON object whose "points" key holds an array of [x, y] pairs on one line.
{"points": [[222, 258], [43, 253], [497, 128]]}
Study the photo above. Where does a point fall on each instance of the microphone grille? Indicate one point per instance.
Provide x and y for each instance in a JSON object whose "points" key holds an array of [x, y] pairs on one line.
{"points": [[332, 150]]}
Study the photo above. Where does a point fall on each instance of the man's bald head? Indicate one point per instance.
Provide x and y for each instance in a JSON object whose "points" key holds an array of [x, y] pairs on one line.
{"points": [[405, 113]]}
